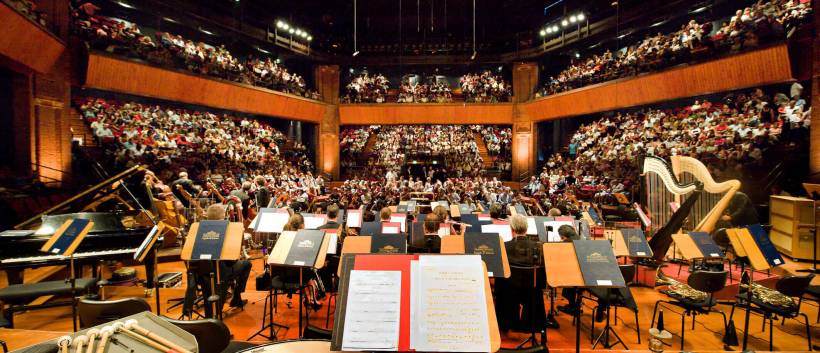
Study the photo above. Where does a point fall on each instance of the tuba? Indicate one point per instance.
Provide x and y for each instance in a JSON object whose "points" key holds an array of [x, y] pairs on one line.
{"points": [[677, 288]]}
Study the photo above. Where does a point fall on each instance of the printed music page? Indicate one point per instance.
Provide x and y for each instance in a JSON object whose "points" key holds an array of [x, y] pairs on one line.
{"points": [[451, 315], [373, 311]]}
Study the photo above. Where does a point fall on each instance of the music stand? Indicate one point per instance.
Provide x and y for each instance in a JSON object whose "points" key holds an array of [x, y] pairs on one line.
{"points": [[231, 250], [150, 243], [564, 271], [455, 244], [299, 250], [742, 238], [64, 242]]}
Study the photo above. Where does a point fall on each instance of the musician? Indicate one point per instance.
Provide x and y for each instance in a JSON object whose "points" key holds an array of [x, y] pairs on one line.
{"points": [[740, 212], [384, 214], [496, 212], [262, 195], [186, 184], [332, 217], [568, 234], [444, 217], [233, 273], [521, 295], [295, 222], [243, 195]]}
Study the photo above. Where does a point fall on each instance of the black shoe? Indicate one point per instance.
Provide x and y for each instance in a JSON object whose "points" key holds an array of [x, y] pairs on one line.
{"points": [[567, 309], [600, 315], [239, 304]]}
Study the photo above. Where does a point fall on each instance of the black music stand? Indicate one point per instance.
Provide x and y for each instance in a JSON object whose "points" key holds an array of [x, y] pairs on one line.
{"points": [[287, 243], [149, 244], [64, 242]]}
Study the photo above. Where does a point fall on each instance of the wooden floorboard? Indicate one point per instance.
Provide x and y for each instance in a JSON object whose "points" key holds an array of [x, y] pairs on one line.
{"points": [[706, 336]]}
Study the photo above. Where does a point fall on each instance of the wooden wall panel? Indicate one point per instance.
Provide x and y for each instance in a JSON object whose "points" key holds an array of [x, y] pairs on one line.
{"points": [[433, 113], [24, 45], [757, 68], [125, 76]]}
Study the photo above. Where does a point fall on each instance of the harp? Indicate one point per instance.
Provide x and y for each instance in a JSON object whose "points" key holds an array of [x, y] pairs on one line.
{"points": [[715, 197]]}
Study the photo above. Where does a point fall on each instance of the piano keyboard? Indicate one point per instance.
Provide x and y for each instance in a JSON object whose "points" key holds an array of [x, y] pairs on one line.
{"points": [[78, 255]]}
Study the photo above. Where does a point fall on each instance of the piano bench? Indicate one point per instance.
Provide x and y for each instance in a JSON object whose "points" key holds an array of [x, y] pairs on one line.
{"points": [[17, 296]]}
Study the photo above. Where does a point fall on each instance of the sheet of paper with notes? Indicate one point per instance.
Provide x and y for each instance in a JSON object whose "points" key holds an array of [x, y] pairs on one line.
{"points": [[373, 324], [450, 307]]}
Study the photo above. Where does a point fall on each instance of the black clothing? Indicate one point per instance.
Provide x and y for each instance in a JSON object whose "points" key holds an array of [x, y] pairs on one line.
{"points": [[518, 294]]}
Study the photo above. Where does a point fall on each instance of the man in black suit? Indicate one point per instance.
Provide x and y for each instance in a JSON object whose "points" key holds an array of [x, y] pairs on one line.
{"points": [[518, 293], [332, 217]]}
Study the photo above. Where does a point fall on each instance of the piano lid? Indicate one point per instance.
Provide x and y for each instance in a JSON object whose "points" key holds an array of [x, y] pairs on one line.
{"points": [[103, 222], [81, 201]]}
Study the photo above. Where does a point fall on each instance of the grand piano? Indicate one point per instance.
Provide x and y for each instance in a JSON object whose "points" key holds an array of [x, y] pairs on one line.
{"points": [[120, 226]]}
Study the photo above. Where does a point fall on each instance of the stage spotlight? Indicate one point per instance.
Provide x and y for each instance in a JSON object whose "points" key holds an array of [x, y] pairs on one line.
{"points": [[285, 26], [573, 19], [310, 38], [555, 28], [291, 31], [581, 16], [564, 23], [280, 24], [543, 33], [304, 35]]}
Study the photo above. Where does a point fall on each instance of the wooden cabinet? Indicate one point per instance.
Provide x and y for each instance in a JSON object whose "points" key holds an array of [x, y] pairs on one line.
{"points": [[786, 213]]}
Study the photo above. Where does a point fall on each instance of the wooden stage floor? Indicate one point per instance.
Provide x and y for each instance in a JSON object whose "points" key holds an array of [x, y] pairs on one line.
{"points": [[49, 323]]}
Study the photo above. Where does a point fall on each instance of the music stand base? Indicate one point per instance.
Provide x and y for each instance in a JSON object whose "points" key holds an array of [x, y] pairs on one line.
{"points": [[603, 338]]}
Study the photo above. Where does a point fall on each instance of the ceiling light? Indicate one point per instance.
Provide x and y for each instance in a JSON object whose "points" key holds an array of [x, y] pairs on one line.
{"points": [[262, 50], [310, 38], [304, 35], [555, 28], [206, 31], [280, 24], [581, 16], [577, 54], [291, 31], [285, 26], [170, 19], [565, 23], [355, 53], [573, 19], [125, 5], [543, 33], [656, 24], [298, 32], [700, 9], [475, 53]]}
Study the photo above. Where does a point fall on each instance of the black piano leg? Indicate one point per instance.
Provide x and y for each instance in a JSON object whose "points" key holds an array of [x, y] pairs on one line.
{"points": [[14, 276], [150, 265]]}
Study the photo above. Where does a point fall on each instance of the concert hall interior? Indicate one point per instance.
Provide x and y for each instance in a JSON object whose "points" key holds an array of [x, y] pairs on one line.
{"points": [[434, 175]]}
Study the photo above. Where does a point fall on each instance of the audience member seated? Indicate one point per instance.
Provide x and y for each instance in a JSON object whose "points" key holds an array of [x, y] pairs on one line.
{"points": [[116, 35], [485, 87], [366, 88], [747, 29]]}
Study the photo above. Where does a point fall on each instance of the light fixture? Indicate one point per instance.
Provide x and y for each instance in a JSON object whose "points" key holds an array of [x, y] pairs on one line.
{"points": [[170, 19], [700, 9], [352, 71], [656, 24], [355, 53], [298, 32], [573, 19], [310, 38], [206, 31], [564, 23], [555, 28], [125, 5], [285, 26], [581, 16], [475, 53], [291, 31], [577, 54], [262, 50], [543, 33], [280, 24]]}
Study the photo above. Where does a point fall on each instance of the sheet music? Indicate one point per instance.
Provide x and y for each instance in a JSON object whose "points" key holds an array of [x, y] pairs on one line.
{"points": [[272, 222], [373, 311], [503, 230], [145, 242], [390, 230], [401, 219], [552, 229], [354, 219], [451, 311], [314, 222], [333, 242], [531, 228]]}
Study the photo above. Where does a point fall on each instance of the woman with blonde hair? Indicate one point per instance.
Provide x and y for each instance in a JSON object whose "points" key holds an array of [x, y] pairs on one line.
{"points": [[295, 222]]}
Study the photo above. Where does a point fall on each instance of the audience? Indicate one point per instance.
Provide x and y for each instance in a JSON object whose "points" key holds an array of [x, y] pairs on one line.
{"points": [[115, 35], [733, 137], [747, 29], [436, 92], [366, 88], [394, 146], [206, 143], [29, 9], [485, 87]]}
